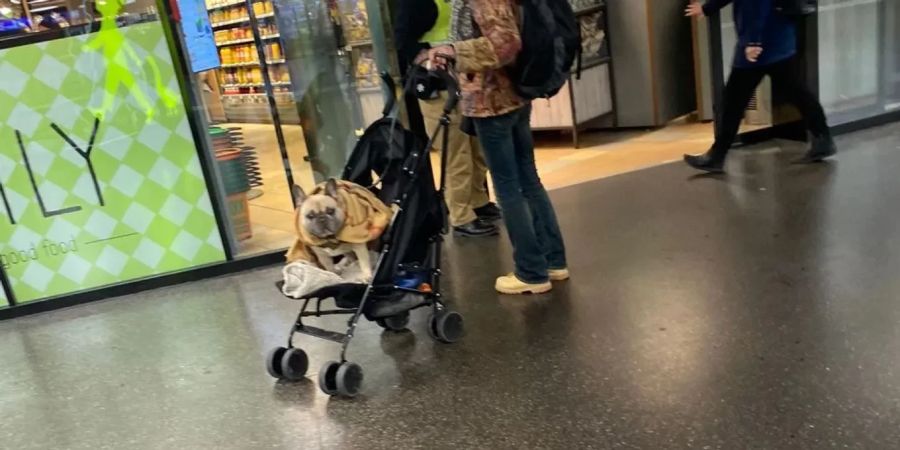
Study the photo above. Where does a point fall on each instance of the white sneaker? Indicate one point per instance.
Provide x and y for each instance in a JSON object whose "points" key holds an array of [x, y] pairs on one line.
{"points": [[558, 274], [512, 285]]}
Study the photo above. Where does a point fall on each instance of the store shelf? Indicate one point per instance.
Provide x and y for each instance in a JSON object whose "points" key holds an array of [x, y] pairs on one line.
{"points": [[253, 64], [368, 89], [248, 40], [262, 94], [251, 85], [590, 9], [246, 64], [594, 62], [231, 22], [235, 42], [241, 20], [226, 5]]}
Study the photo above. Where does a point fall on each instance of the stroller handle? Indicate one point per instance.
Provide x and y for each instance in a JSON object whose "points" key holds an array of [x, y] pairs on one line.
{"points": [[391, 89], [390, 86], [453, 93]]}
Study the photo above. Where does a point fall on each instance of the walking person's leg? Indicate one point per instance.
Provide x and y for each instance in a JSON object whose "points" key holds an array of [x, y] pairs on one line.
{"points": [[531, 268], [546, 225], [460, 175], [787, 85], [739, 90]]}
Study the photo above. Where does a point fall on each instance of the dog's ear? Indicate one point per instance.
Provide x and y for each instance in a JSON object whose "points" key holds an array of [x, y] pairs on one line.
{"points": [[299, 195], [331, 188]]}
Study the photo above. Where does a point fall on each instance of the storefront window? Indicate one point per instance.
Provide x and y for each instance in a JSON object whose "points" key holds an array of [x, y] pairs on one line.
{"points": [[858, 54], [892, 54], [108, 177], [102, 183], [296, 125]]}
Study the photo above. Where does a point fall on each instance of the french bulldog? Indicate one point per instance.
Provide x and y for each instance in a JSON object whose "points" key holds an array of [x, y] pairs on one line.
{"points": [[323, 216]]}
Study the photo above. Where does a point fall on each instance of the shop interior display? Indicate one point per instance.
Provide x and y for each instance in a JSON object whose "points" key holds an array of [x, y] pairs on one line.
{"points": [[355, 24], [237, 97], [11, 21], [21, 16], [240, 77], [353, 19], [588, 96], [239, 168], [240, 81]]}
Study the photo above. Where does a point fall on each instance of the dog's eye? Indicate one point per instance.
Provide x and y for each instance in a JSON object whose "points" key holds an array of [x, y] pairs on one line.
{"points": [[310, 216], [330, 211]]}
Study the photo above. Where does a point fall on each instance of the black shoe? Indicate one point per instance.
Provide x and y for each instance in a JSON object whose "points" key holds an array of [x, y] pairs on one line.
{"points": [[705, 162], [822, 147], [489, 212], [475, 228]]}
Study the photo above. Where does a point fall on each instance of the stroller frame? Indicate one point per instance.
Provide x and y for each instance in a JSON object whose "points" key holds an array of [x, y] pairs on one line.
{"points": [[345, 378]]}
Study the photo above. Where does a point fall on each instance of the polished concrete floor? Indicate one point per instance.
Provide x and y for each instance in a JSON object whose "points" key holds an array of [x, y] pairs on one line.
{"points": [[755, 310]]}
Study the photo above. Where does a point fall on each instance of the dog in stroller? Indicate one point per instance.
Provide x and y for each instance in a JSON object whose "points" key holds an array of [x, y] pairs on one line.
{"points": [[407, 273]]}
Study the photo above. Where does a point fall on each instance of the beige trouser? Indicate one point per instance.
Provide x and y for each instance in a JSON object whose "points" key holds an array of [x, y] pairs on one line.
{"points": [[466, 169]]}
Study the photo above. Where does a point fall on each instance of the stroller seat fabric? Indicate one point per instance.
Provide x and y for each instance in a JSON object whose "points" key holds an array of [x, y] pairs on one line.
{"points": [[403, 166]]}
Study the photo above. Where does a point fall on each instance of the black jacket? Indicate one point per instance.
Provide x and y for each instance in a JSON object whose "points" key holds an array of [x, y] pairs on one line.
{"points": [[413, 19]]}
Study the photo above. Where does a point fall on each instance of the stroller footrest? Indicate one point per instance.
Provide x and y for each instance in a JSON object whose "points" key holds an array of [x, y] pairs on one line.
{"points": [[321, 334]]}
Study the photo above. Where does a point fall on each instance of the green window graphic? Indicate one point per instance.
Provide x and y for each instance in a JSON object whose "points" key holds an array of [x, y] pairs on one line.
{"points": [[119, 58], [99, 174]]}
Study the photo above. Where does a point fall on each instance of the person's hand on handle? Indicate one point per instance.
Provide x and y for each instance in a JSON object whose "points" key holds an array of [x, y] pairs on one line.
{"points": [[441, 57], [752, 52], [694, 9], [421, 58]]}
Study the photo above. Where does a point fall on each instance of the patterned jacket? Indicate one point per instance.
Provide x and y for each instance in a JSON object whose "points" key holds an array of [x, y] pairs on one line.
{"points": [[486, 89]]}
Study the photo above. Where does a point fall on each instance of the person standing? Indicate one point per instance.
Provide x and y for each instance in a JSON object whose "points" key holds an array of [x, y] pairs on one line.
{"points": [[767, 45], [486, 39], [420, 25]]}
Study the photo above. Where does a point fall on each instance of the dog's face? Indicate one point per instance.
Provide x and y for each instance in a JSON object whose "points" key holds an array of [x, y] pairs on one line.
{"points": [[321, 215]]}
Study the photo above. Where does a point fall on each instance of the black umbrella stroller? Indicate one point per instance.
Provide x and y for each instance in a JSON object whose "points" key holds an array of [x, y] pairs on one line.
{"points": [[407, 273]]}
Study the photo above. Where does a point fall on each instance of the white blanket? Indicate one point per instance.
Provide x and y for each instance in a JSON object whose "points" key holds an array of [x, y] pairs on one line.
{"points": [[302, 278]]}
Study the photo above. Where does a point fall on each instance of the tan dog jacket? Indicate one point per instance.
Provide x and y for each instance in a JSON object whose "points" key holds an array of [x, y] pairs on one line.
{"points": [[366, 219]]}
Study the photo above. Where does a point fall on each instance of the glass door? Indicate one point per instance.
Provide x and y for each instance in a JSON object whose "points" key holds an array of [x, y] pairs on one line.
{"points": [[335, 50], [891, 42], [295, 86], [851, 49]]}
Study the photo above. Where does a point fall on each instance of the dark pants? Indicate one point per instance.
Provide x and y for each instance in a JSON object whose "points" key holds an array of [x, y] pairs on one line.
{"points": [[527, 211], [740, 89]]}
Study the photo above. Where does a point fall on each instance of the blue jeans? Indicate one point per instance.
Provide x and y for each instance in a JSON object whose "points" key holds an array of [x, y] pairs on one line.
{"points": [[527, 211]]}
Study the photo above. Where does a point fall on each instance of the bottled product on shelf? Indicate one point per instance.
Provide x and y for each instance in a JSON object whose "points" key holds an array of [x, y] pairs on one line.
{"points": [[366, 70], [241, 76], [246, 55], [228, 36], [252, 76], [355, 20], [231, 12]]}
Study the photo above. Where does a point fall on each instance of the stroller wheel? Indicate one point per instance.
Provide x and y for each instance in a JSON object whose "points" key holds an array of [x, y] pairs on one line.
{"points": [[328, 378], [446, 327], [349, 379], [273, 362], [294, 364], [394, 323]]}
